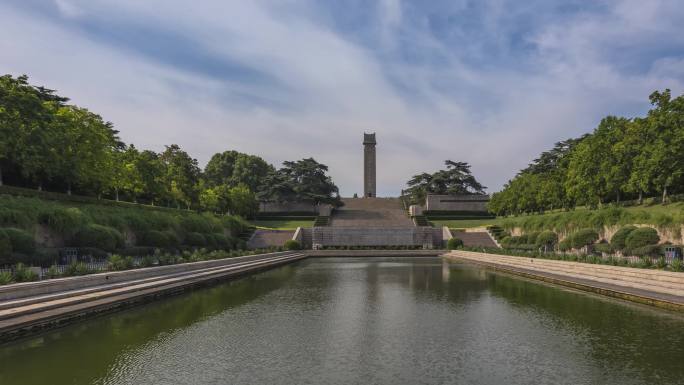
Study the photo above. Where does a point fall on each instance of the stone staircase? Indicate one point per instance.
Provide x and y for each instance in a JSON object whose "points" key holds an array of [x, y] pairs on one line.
{"points": [[475, 239], [371, 212]]}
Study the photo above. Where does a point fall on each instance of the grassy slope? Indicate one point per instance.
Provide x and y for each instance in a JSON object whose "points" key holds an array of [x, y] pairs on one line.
{"points": [[283, 224], [667, 215]]}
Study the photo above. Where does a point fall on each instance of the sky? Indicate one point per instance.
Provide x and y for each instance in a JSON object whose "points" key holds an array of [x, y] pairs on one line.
{"points": [[491, 83]]}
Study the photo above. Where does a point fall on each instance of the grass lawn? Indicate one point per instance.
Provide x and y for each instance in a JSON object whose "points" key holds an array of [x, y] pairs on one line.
{"points": [[466, 223], [283, 224]]}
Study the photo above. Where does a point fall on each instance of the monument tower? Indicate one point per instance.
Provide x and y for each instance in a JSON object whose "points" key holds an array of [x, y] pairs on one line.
{"points": [[369, 165]]}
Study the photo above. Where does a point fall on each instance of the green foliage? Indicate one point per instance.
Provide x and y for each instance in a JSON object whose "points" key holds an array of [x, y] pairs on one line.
{"points": [[22, 241], [604, 248], [117, 262], [77, 268], [61, 219], [641, 237], [619, 239], [14, 218], [5, 246], [620, 158], [677, 265], [24, 274], [302, 180], [154, 238], [646, 251], [455, 179], [454, 243], [565, 244], [98, 236], [6, 278], [584, 237], [546, 239], [291, 244], [195, 239]]}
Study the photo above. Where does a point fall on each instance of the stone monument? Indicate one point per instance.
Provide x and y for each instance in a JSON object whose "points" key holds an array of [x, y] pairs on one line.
{"points": [[369, 165]]}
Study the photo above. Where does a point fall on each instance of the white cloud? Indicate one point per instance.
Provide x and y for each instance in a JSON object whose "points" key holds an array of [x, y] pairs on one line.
{"points": [[328, 89]]}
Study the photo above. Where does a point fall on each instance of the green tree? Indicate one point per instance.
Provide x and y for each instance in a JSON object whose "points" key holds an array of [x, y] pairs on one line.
{"points": [[182, 175], [455, 179]]}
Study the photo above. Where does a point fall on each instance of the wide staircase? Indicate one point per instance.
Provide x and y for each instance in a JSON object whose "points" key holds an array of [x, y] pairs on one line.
{"points": [[475, 239], [371, 212]]}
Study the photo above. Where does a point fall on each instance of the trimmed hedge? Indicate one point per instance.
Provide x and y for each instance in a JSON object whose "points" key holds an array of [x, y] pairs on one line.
{"points": [[22, 242], [583, 238], [546, 239], [291, 244], [153, 238], [619, 239], [195, 239], [5, 246], [641, 237], [454, 243], [98, 236]]}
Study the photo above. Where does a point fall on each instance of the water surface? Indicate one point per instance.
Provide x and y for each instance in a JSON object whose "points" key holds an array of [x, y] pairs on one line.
{"points": [[363, 321]]}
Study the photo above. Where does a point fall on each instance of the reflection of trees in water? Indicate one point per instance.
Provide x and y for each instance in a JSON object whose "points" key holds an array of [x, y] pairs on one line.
{"points": [[631, 337], [84, 350]]}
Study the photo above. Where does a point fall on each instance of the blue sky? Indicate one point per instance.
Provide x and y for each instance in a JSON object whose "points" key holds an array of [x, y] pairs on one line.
{"points": [[492, 83]]}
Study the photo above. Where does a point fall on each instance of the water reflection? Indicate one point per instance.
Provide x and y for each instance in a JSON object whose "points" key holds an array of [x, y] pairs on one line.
{"points": [[394, 321]]}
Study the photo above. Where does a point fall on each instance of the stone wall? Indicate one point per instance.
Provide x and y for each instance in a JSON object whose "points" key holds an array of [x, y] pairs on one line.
{"points": [[456, 202]]}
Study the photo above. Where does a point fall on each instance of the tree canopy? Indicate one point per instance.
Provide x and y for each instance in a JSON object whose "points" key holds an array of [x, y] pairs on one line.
{"points": [[456, 179], [623, 158], [300, 180]]}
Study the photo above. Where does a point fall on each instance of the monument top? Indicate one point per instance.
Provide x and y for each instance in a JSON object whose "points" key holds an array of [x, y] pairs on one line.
{"points": [[369, 138]]}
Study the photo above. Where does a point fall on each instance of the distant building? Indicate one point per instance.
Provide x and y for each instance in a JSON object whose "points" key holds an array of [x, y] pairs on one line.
{"points": [[369, 165]]}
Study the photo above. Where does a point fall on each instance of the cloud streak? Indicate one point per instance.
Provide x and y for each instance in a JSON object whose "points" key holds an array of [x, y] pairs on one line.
{"points": [[491, 83]]}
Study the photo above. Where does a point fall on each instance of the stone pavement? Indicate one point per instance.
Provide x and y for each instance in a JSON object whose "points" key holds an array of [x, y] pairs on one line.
{"points": [[371, 212]]}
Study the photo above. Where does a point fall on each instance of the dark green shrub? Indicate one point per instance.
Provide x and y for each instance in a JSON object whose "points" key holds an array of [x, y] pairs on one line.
{"points": [[137, 251], [603, 248], [641, 237], [546, 239], [117, 262], [291, 244], [172, 239], [196, 224], [45, 256], [677, 265], [14, 218], [98, 236], [454, 243], [219, 241], [565, 244], [52, 272], [5, 246], [646, 251], [195, 239], [77, 268], [154, 238], [531, 238], [22, 241], [619, 239], [661, 264], [24, 274], [583, 238]]}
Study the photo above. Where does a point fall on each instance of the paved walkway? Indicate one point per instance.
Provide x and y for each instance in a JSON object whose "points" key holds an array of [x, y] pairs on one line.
{"points": [[371, 212], [262, 238], [652, 287], [475, 239]]}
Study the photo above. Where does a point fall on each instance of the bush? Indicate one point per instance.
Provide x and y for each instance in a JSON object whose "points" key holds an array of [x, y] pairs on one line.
{"points": [[646, 251], [117, 262], [45, 256], [641, 237], [24, 274], [77, 268], [22, 242], [14, 218], [546, 239], [98, 236], [454, 243], [6, 278], [604, 248], [565, 244], [195, 224], [291, 244], [137, 251], [677, 265], [195, 239], [62, 220], [219, 241], [620, 237], [5, 246], [583, 238], [155, 238]]}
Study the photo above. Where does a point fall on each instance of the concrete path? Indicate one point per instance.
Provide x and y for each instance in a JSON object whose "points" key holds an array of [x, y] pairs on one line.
{"points": [[263, 238], [26, 314], [475, 238], [653, 287]]}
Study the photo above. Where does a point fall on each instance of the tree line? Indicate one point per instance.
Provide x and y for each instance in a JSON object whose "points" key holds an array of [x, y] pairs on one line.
{"points": [[623, 158], [47, 143]]}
